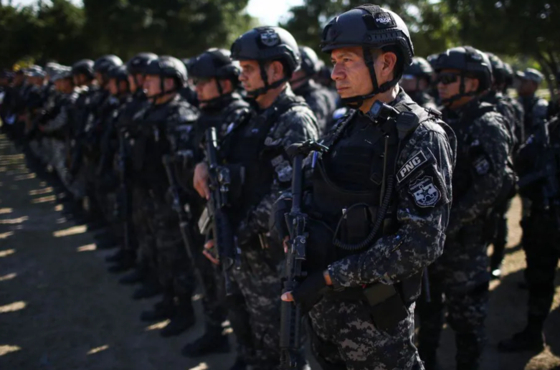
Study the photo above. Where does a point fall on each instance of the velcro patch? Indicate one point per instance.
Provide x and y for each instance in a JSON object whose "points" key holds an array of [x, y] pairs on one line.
{"points": [[425, 192], [411, 165], [481, 165]]}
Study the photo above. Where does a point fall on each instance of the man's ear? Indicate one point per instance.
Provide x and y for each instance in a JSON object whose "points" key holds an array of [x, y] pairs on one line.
{"points": [[475, 83], [276, 71], [226, 86], [388, 63]]}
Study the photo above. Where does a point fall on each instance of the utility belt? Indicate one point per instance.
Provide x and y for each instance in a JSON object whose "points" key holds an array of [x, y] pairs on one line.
{"points": [[387, 304]]}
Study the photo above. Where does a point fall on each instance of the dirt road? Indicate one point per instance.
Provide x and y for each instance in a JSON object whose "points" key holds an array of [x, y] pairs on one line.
{"points": [[61, 310]]}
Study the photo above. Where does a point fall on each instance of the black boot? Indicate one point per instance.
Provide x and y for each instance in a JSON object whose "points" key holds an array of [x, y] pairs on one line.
{"points": [[182, 320], [530, 339], [136, 276], [116, 257], [150, 288], [161, 311], [212, 341], [239, 364], [127, 262], [429, 358]]}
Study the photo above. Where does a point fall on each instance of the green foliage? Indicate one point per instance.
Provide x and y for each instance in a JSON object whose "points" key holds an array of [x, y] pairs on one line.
{"points": [[59, 30]]}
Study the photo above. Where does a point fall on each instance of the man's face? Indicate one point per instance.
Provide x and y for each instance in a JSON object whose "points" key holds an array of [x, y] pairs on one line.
{"points": [[526, 87], [409, 83], [18, 79], [350, 73], [152, 85], [449, 85], [250, 76], [99, 78], [113, 86], [37, 81], [206, 89]]}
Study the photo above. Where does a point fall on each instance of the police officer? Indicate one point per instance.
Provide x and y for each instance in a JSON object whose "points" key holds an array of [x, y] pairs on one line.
{"points": [[506, 107], [379, 204], [167, 124], [481, 180], [535, 108], [320, 99], [416, 82], [216, 82], [129, 198], [541, 232], [255, 151]]}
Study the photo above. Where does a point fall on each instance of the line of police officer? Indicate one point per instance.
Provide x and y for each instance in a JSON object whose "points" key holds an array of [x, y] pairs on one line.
{"points": [[404, 196]]}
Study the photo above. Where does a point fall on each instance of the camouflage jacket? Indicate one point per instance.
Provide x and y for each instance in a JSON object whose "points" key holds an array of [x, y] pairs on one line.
{"points": [[483, 147], [258, 145], [421, 203]]}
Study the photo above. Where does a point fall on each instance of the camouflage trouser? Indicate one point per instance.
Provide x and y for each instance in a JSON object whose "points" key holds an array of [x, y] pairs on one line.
{"points": [[173, 266], [259, 282], [343, 336], [458, 283], [144, 227], [541, 239]]}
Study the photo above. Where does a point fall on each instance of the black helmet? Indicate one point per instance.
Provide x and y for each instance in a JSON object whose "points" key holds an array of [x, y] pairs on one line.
{"points": [[310, 62], [499, 71], [119, 73], [419, 68], [83, 67], [106, 62], [471, 62], [168, 67], [139, 62], [370, 27], [214, 63], [268, 44]]}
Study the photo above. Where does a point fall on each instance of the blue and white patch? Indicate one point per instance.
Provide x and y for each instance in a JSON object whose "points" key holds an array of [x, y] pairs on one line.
{"points": [[425, 192], [284, 171], [411, 165], [481, 165]]}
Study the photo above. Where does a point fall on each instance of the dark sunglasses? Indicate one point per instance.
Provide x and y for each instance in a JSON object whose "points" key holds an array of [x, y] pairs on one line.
{"points": [[447, 78]]}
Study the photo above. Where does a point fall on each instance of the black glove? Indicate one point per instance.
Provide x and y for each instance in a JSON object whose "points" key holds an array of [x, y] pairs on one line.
{"points": [[310, 291]]}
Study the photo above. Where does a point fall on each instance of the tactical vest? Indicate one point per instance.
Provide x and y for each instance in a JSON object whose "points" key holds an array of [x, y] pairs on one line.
{"points": [[250, 159], [352, 203]]}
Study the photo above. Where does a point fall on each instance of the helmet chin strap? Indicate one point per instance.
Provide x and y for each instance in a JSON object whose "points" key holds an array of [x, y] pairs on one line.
{"points": [[355, 102], [254, 94], [447, 102], [163, 92]]}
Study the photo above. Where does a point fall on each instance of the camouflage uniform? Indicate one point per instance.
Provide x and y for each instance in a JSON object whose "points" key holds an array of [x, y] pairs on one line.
{"points": [[165, 130], [498, 219], [460, 274], [541, 234], [57, 129], [258, 145], [321, 101], [345, 332]]}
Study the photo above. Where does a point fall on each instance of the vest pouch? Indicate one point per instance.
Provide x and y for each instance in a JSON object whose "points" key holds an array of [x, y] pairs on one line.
{"points": [[385, 305], [356, 223], [320, 250]]}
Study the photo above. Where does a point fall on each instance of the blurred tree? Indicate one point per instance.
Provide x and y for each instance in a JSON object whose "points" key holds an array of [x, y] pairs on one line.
{"points": [[176, 27], [18, 29]]}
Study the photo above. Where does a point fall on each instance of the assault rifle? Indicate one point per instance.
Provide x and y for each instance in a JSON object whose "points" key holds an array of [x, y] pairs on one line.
{"points": [[220, 180], [123, 188], [290, 324], [183, 211]]}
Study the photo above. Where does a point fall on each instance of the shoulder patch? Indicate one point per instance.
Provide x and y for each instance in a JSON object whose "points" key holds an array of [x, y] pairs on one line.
{"points": [[411, 165], [425, 192]]}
